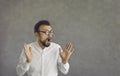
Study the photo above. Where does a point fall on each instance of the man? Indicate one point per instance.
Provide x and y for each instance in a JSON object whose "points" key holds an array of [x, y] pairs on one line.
{"points": [[43, 57]]}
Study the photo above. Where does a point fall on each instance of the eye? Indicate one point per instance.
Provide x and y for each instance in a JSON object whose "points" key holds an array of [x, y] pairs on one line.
{"points": [[47, 32], [51, 31]]}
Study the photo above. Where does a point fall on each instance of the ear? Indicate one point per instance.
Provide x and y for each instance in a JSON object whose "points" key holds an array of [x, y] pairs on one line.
{"points": [[36, 34]]}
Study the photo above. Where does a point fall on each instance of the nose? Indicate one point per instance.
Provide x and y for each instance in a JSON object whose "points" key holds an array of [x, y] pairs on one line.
{"points": [[50, 35]]}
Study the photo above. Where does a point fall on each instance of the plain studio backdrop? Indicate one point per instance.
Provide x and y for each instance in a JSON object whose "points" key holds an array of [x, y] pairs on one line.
{"points": [[92, 26]]}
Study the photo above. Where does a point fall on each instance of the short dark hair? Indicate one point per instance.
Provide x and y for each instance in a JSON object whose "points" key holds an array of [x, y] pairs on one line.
{"points": [[41, 22]]}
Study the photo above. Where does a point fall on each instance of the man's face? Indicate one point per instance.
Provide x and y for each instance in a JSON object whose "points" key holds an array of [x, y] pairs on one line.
{"points": [[45, 35]]}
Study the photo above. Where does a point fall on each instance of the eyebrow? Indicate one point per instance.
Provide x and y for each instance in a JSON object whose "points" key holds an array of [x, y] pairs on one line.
{"points": [[46, 30]]}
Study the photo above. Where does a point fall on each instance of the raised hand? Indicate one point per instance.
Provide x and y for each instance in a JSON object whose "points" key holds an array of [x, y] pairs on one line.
{"points": [[66, 53], [28, 53]]}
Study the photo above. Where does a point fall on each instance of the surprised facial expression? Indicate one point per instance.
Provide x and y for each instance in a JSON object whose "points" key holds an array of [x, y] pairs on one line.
{"points": [[45, 35]]}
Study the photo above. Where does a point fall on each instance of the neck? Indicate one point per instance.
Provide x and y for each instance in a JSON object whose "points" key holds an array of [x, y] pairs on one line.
{"points": [[40, 44]]}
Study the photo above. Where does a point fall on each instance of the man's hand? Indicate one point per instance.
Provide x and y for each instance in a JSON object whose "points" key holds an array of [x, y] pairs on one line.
{"points": [[28, 53], [65, 55]]}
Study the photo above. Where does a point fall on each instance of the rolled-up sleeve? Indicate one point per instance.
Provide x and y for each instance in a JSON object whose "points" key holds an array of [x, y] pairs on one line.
{"points": [[22, 67], [64, 68]]}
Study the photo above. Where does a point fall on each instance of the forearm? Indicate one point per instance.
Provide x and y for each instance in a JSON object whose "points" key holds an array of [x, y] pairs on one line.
{"points": [[22, 68], [64, 68]]}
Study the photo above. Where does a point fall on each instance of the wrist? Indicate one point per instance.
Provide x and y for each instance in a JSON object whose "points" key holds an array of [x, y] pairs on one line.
{"points": [[64, 61], [28, 61]]}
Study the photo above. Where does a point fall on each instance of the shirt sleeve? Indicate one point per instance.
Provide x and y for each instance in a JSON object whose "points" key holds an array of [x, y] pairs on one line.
{"points": [[22, 67], [64, 68]]}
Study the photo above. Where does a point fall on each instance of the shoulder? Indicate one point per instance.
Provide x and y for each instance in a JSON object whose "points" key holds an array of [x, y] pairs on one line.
{"points": [[32, 44], [55, 45]]}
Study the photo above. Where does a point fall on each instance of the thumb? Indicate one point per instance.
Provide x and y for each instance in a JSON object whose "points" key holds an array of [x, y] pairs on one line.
{"points": [[30, 49], [60, 50]]}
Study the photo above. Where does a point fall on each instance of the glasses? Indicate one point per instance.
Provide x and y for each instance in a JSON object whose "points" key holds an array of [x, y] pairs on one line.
{"points": [[47, 32]]}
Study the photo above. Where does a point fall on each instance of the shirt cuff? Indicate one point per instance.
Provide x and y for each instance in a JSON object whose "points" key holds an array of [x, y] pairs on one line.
{"points": [[26, 66], [66, 65]]}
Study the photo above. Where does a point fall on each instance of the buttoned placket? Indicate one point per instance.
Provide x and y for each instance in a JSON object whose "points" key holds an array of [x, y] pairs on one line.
{"points": [[42, 62]]}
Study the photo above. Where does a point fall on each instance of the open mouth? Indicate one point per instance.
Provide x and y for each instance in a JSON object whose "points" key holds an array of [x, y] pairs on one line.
{"points": [[48, 39]]}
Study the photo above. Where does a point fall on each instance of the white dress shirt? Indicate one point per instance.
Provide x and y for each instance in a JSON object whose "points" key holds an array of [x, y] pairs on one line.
{"points": [[45, 62]]}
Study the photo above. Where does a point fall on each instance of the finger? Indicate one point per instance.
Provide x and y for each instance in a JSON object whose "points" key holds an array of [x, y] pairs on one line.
{"points": [[30, 49], [72, 50], [67, 45], [25, 51], [70, 47], [25, 46]]}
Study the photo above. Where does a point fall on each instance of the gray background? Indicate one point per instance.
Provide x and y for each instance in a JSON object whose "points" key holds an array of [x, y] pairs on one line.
{"points": [[93, 27]]}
